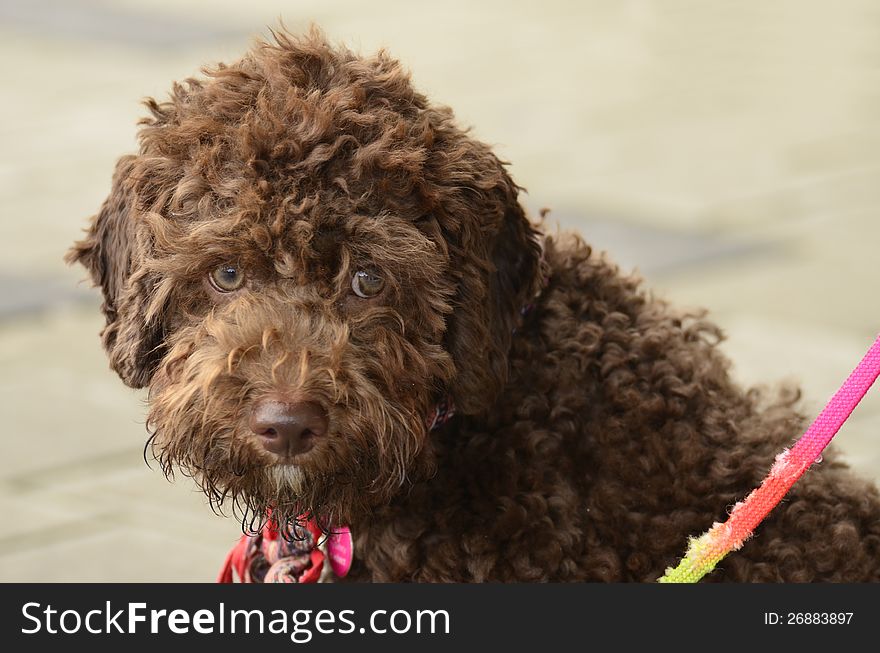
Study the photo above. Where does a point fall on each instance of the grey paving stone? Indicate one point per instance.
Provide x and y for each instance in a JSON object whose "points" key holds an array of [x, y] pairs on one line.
{"points": [[26, 296], [89, 21], [655, 251], [116, 554]]}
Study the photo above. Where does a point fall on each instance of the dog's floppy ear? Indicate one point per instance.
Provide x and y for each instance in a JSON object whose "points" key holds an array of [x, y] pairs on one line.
{"points": [[113, 251], [496, 257]]}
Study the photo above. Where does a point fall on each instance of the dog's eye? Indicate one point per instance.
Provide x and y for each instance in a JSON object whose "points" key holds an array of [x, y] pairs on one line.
{"points": [[366, 284], [226, 278]]}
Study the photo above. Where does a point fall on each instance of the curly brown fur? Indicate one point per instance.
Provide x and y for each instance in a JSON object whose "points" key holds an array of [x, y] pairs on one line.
{"points": [[591, 437]]}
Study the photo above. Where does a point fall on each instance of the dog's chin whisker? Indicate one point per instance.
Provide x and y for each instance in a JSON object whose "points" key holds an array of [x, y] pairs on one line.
{"points": [[148, 447], [215, 501], [285, 478], [252, 520], [215, 495]]}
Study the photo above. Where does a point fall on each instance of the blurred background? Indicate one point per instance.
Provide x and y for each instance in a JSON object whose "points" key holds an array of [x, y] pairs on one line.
{"points": [[728, 151]]}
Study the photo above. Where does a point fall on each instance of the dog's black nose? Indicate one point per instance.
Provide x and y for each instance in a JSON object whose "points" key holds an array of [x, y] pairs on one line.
{"points": [[288, 428]]}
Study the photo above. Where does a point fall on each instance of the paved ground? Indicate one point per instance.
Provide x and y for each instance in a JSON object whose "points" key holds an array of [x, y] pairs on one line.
{"points": [[730, 151]]}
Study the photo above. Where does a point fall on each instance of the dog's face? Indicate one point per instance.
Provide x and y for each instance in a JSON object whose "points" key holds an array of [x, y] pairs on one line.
{"points": [[302, 259]]}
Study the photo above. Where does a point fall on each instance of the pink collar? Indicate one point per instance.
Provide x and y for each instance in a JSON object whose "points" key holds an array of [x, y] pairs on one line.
{"points": [[269, 557]]}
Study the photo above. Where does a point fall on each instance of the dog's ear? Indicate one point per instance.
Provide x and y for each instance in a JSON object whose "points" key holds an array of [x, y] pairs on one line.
{"points": [[113, 251], [496, 257]]}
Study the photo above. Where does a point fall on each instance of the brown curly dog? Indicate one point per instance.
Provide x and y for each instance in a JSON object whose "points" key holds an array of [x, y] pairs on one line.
{"points": [[306, 257]]}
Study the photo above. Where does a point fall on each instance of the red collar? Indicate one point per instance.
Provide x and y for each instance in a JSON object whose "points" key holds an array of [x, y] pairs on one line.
{"points": [[268, 557]]}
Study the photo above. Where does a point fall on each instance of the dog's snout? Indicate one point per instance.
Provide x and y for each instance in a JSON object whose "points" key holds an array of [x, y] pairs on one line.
{"points": [[288, 428]]}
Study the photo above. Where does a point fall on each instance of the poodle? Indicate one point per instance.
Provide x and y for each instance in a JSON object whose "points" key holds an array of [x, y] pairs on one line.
{"points": [[344, 315]]}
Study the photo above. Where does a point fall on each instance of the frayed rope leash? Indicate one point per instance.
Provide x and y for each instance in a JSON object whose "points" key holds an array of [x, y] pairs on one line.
{"points": [[706, 551]]}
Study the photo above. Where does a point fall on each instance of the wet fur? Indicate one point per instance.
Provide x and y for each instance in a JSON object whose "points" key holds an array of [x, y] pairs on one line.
{"points": [[591, 437]]}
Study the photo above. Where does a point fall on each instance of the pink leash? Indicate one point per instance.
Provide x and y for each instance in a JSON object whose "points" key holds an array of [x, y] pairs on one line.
{"points": [[707, 550]]}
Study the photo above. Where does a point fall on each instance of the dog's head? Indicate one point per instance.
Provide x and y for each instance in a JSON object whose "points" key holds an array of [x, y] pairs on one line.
{"points": [[302, 259]]}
